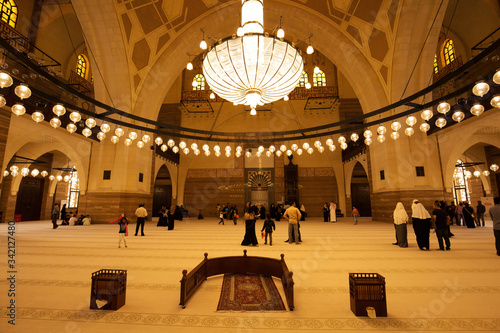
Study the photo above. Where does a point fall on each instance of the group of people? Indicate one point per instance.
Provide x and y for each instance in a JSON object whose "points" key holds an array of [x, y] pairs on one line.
{"points": [[228, 212], [68, 219], [330, 212], [168, 215], [252, 213], [440, 220]]}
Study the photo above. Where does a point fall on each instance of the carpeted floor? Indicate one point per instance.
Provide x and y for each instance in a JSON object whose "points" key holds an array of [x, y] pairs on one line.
{"points": [[455, 291]]}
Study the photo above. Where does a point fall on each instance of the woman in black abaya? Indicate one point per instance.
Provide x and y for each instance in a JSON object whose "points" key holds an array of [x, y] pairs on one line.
{"points": [[421, 224], [468, 212], [250, 237]]}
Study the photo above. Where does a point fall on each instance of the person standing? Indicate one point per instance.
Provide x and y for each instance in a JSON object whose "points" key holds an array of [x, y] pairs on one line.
{"points": [[268, 227], [421, 224], [495, 217], [123, 223], [54, 216], [480, 210], [355, 215], [141, 214], [441, 220], [333, 216], [400, 221], [218, 209], [468, 213], [250, 237], [292, 214], [221, 216], [303, 212], [326, 212], [460, 214], [63, 214]]}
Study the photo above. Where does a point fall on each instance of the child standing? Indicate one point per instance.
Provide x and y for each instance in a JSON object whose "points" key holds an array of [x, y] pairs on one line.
{"points": [[221, 216], [355, 214], [123, 223], [269, 226]]}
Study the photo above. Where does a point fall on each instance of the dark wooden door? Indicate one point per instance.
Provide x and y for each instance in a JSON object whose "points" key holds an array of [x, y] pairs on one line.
{"points": [[360, 195], [162, 196], [29, 198]]}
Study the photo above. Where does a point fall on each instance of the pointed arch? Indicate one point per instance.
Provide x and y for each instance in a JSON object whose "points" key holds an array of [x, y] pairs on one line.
{"points": [[449, 52]]}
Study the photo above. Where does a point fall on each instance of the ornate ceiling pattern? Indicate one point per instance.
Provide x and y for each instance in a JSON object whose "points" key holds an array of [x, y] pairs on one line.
{"points": [[148, 26]]}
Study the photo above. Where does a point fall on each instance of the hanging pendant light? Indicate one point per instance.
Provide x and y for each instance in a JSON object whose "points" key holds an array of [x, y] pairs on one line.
{"points": [[425, 127], [368, 141], [75, 116], [175, 149], [146, 138], [22, 91], [35, 172], [90, 122], [367, 134], [305, 146], [495, 101], [477, 109], [441, 122], [59, 110], [115, 139], [25, 171], [55, 122], [59, 178], [127, 142], [5, 80], [119, 132], [164, 148], [37, 116], [87, 132], [394, 135], [2, 101], [354, 137], [207, 153], [52, 177], [481, 88], [170, 143], [158, 141], [294, 147], [427, 114], [458, 116], [18, 109], [71, 128], [300, 151], [140, 144], [496, 76], [396, 126], [409, 131], [411, 120], [494, 167], [44, 173], [272, 149], [486, 173], [343, 145], [443, 107], [132, 135], [381, 130], [332, 147], [101, 136], [105, 128], [380, 138]]}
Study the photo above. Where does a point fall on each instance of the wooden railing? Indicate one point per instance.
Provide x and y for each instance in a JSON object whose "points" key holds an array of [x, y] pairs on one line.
{"points": [[191, 281]]}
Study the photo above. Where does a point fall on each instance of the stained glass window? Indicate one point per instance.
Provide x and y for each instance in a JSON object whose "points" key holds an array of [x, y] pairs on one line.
{"points": [[9, 12], [449, 52], [199, 82], [81, 66], [460, 190], [303, 79], [319, 79], [73, 189], [436, 68]]}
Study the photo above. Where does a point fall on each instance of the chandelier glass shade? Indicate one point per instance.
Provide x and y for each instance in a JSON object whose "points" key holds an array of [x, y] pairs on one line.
{"points": [[255, 68]]}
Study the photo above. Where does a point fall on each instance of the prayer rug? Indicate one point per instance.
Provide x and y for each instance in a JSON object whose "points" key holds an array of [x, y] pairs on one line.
{"points": [[249, 292]]}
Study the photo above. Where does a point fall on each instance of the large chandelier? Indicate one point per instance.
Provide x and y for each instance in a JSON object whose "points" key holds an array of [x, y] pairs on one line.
{"points": [[253, 67]]}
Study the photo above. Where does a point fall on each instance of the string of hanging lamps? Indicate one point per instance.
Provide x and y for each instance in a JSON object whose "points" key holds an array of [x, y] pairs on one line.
{"points": [[479, 89]]}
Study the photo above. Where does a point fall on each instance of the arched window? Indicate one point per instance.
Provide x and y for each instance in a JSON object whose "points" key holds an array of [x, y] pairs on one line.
{"points": [[436, 67], [73, 189], [303, 80], [81, 66], [199, 82], [449, 52], [9, 12], [460, 189], [319, 79]]}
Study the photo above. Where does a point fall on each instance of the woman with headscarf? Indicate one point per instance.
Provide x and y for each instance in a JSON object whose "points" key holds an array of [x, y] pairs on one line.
{"points": [[468, 212], [400, 221], [421, 224], [250, 238], [333, 216]]}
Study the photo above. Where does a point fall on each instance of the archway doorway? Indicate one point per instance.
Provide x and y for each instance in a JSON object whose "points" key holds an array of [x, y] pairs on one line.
{"points": [[360, 191], [162, 190], [30, 198]]}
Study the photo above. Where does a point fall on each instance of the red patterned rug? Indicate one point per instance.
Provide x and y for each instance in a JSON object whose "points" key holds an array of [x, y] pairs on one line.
{"points": [[249, 292]]}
